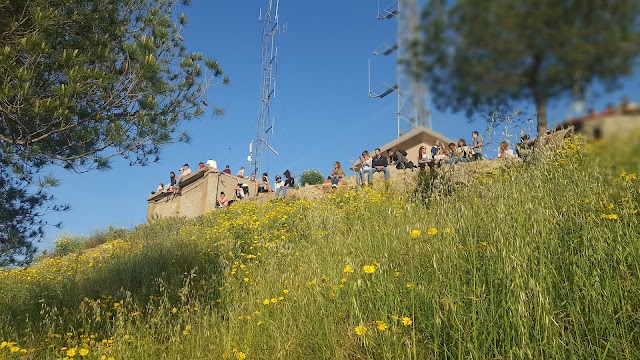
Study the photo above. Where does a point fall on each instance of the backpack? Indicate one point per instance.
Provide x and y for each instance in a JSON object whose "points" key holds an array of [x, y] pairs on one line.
{"points": [[405, 165]]}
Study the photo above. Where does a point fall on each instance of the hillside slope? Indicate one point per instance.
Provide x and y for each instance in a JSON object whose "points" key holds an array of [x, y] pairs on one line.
{"points": [[533, 260]]}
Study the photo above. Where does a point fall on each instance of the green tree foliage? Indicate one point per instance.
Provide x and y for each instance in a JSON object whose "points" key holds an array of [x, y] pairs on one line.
{"points": [[82, 82], [311, 177], [487, 54]]}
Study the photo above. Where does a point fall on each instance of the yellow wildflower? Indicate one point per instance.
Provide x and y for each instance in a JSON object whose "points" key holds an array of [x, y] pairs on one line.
{"points": [[84, 352], [610, 216], [14, 349], [347, 269], [447, 230], [361, 330], [240, 355], [285, 291], [415, 233], [265, 302], [406, 321], [432, 231], [71, 352], [381, 325], [369, 269]]}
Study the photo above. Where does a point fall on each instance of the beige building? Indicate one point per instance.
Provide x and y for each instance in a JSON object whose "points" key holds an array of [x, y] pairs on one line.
{"points": [[603, 126], [198, 194], [412, 141]]}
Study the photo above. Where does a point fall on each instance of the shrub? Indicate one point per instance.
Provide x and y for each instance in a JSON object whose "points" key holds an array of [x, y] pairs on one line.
{"points": [[311, 177], [69, 243]]}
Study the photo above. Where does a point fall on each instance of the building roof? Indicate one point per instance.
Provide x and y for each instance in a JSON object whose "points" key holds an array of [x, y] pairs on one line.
{"points": [[417, 136]]}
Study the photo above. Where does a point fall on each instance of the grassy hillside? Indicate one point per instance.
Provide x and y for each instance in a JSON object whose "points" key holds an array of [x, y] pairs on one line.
{"points": [[534, 260]]}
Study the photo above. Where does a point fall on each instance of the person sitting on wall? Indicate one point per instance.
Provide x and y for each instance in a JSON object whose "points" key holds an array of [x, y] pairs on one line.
{"points": [[180, 177], [523, 149], [239, 191], [391, 157], [187, 170], [212, 164], [379, 164], [200, 165], [240, 173], [336, 174], [504, 152], [461, 154], [434, 149], [441, 157], [159, 189], [288, 183], [424, 158], [278, 185], [264, 186], [171, 187], [399, 158], [227, 170], [223, 202]]}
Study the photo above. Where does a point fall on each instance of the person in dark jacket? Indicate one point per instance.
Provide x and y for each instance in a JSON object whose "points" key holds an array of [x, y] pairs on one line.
{"points": [[379, 164], [289, 183]]}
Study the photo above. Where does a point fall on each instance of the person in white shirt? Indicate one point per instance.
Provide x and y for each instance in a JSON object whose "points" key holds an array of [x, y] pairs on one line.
{"points": [[365, 161], [504, 152]]}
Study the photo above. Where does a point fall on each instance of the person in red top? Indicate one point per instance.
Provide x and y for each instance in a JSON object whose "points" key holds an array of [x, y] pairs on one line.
{"points": [[223, 202], [227, 170]]}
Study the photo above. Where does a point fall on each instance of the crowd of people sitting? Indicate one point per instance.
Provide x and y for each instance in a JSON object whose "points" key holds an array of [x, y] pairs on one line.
{"points": [[242, 189], [435, 157]]}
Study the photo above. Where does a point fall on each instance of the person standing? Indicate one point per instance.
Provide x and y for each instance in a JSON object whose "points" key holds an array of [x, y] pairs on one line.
{"points": [[366, 162], [476, 146]]}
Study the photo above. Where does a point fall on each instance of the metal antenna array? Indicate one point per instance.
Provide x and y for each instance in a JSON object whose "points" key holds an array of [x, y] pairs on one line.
{"points": [[268, 76], [413, 95]]}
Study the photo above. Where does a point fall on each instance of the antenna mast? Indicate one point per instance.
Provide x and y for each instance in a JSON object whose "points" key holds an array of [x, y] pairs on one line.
{"points": [[412, 92], [268, 76]]}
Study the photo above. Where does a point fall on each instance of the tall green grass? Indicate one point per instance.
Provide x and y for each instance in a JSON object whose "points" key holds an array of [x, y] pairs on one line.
{"points": [[536, 260]]}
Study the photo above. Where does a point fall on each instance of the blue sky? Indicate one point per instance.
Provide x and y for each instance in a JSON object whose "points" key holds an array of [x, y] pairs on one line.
{"points": [[322, 111]]}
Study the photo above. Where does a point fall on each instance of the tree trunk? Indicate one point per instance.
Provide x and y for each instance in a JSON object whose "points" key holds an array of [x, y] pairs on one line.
{"points": [[541, 107]]}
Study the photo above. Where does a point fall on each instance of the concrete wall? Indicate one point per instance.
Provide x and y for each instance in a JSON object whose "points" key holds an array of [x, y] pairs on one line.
{"points": [[198, 194]]}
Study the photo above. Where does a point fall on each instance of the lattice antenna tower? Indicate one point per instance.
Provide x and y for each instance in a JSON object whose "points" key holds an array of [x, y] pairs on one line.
{"points": [[268, 77], [412, 92]]}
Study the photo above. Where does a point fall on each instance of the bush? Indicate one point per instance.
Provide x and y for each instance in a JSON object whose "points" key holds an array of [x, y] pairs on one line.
{"points": [[311, 177], [69, 243]]}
